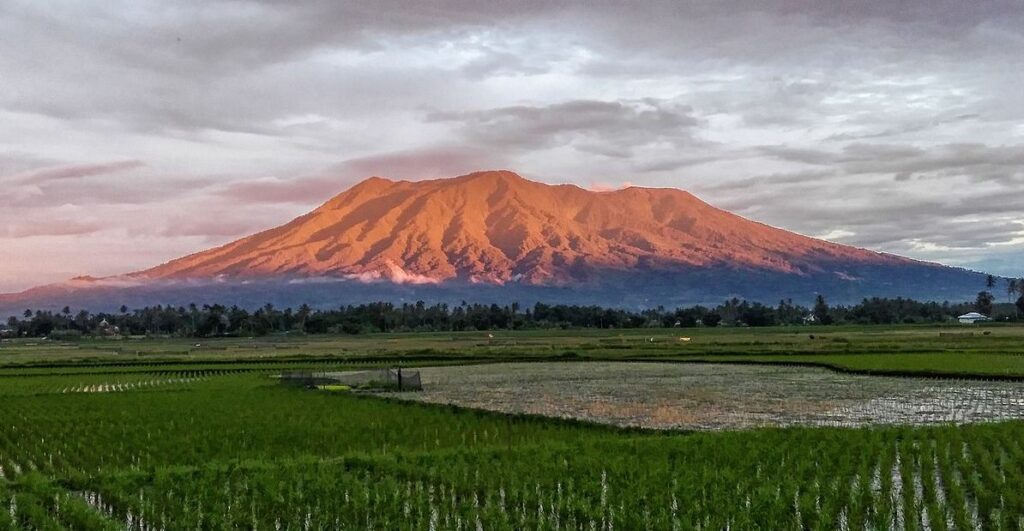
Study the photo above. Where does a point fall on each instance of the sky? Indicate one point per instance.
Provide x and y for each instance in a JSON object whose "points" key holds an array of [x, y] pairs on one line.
{"points": [[138, 131]]}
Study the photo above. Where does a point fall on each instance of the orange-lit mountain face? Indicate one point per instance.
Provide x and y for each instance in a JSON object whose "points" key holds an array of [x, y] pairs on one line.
{"points": [[496, 227]]}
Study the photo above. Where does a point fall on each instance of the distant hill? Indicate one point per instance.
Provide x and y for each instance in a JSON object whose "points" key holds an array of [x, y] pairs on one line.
{"points": [[495, 237]]}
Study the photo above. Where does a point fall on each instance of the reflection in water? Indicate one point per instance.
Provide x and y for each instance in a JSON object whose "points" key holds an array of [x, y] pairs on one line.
{"points": [[717, 396]]}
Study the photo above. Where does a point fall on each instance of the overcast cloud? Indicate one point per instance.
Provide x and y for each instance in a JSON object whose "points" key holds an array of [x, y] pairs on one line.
{"points": [[135, 132]]}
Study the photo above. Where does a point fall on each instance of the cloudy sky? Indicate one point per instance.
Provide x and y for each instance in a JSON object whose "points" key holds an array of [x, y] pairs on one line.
{"points": [[137, 131]]}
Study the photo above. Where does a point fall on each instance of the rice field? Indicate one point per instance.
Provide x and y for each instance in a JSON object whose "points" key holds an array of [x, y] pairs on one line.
{"points": [[697, 396], [225, 446]]}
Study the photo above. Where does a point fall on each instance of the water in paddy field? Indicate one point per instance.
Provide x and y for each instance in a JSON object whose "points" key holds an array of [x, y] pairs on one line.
{"points": [[717, 396]]}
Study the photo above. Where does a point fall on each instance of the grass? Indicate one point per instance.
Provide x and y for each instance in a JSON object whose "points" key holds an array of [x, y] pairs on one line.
{"points": [[241, 451], [965, 365], [917, 349]]}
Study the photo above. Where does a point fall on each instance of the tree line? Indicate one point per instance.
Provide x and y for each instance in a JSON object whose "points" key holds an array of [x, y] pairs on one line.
{"points": [[220, 320]]}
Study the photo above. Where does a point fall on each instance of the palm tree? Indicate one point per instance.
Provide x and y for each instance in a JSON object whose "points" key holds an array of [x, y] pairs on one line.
{"points": [[820, 310], [303, 314], [1011, 288], [990, 282]]}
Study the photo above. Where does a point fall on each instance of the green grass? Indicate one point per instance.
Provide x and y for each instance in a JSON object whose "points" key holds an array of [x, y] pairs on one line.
{"points": [[242, 451], [924, 349], [99, 433], [931, 364]]}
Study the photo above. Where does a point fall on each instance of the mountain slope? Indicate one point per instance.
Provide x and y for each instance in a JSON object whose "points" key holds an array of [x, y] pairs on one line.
{"points": [[497, 227]]}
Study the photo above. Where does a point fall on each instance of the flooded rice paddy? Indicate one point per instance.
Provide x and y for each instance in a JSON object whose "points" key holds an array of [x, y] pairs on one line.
{"points": [[716, 396]]}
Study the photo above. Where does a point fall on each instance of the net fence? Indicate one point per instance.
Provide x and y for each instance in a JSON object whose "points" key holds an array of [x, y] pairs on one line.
{"points": [[392, 379]]}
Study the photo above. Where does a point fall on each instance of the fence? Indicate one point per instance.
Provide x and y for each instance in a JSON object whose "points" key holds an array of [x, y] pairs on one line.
{"points": [[390, 379]]}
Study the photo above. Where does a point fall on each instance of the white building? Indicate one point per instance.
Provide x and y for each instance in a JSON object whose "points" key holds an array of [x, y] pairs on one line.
{"points": [[973, 317]]}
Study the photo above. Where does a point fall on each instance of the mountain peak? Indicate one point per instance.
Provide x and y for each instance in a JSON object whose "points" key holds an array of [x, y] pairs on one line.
{"points": [[490, 180], [490, 175], [375, 180], [373, 183]]}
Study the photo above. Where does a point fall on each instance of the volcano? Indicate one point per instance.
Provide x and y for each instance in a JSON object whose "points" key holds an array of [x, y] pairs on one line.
{"points": [[498, 227], [498, 236]]}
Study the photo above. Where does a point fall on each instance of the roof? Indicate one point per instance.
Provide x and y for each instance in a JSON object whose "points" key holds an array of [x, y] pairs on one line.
{"points": [[973, 315]]}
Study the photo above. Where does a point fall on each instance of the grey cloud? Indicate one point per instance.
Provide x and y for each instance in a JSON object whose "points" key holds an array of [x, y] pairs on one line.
{"points": [[797, 154], [101, 190], [426, 163], [775, 180], [910, 127], [610, 128], [979, 162], [890, 220], [675, 163], [237, 66], [500, 63]]}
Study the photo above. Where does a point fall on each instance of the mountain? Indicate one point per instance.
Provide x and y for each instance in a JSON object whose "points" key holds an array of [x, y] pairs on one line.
{"points": [[498, 227], [498, 235]]}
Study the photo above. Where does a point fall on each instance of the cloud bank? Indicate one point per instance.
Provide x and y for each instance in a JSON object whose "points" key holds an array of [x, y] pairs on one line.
{"points": [[135, 132]]}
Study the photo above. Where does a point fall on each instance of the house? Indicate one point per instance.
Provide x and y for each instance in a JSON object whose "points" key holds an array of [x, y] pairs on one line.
{"points": [[106, 329], [6, 332], [973, 317]]}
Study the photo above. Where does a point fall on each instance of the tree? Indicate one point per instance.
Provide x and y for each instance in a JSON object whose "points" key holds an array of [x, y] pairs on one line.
{"points": [[983, 304], [821, 310], [1020, 304], [304, 312], [712, 319], [990, 282], [1011, 289], [67, 313]]}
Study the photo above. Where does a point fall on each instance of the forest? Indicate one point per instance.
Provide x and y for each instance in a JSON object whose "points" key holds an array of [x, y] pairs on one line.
{"points": [[220, 320]]}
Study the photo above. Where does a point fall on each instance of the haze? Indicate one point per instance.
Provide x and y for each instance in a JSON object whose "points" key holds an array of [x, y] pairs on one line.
{"points": [[136, 132]]}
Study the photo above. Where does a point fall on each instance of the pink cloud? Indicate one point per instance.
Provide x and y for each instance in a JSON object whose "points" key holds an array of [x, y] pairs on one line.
{"points": [[274, 190], [428, 163], [49, 227], [77, 171], [198, 225]]}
